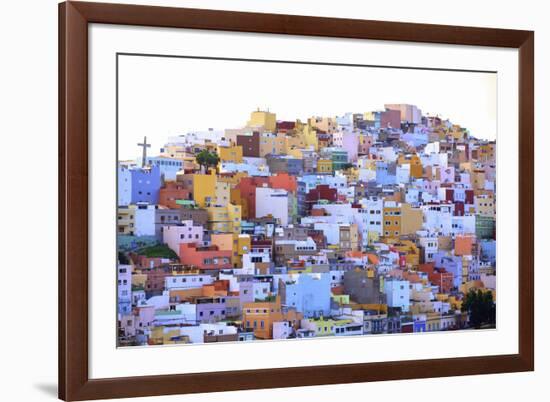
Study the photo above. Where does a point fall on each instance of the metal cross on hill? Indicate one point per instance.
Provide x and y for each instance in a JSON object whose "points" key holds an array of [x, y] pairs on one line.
{"points": [[145, 146]]}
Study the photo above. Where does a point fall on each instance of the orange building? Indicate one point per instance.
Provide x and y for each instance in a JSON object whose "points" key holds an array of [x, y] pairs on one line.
{"points": [[464, 244], [415, 163], [204, 257], [260, 317], [391, 224]]}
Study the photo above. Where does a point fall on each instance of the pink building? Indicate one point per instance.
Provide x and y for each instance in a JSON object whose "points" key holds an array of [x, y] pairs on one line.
{"points": [[349, 141], [185, 232]]}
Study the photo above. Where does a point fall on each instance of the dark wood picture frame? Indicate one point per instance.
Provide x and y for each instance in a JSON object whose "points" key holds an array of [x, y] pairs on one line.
{"points": [[74, 382]]}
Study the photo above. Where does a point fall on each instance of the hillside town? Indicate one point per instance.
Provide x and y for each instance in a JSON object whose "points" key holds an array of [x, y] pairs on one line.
{"points": [[377, 222]]}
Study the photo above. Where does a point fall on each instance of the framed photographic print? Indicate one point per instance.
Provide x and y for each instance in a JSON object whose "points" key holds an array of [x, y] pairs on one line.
{"points": [[261, 200]]}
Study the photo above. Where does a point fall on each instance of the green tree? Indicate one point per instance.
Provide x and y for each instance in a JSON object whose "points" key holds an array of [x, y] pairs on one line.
{"points": [[123, 258], [207, 159], [480, 308]]}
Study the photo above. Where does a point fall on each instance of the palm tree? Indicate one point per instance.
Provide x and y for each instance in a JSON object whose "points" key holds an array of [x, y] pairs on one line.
{"points": [[207, 159]]}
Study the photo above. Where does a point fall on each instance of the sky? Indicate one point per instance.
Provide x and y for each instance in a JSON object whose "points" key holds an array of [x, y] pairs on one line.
{"points": [[161, 97]]}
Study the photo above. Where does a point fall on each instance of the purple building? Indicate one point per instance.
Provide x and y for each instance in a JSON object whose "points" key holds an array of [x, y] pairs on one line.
{"points": [[211, 309], [145, 184], [451, 264]]}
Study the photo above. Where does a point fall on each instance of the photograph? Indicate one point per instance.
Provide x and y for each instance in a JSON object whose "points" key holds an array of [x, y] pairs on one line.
{"points": [[283, 200]]}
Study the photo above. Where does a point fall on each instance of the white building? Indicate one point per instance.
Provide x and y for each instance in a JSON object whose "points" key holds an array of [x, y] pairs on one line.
{"points": [[281, 330], [461, 225], [187, 281], [403, 173], [274, 202], [197, 138], [437, 217], [397, 293], [430, 243], [144, 220], [196, 333]]}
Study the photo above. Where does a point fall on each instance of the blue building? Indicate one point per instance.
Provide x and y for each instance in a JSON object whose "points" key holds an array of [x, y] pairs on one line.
{"points": [[145, 184], [488, 251], [385, 173], [419, 323], [309, 294], [169, 167], [452, 264], [124, 183]]}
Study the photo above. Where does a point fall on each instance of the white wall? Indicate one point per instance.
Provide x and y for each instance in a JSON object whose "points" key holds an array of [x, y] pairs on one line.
{"points": [[28, 74]]}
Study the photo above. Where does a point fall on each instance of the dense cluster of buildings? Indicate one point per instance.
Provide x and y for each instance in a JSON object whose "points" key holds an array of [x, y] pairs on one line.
{"points": [[366, 223]]}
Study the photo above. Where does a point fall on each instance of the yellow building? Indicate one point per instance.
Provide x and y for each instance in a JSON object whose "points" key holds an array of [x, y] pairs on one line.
{"points": [[203, 188], [241, 246], [180, 152], [324, 326], [226, 219], [293, 142], [324, 166], [415, 163], [309, 135], [458, 133], [223, 193], [477, 179], [412, 219], [231, 154], [272, 143], [167, 335], [341, 300], [233, 178], [487, 152], [126, 220], [326, 124], [485, 205], [411, 252], [263, 119]]}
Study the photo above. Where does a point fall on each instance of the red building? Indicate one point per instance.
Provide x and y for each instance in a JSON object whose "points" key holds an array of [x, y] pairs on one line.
{"points": [[283, 181], [204, 257], [443, 279], [285, 126], [390, 118], [171, 192], [247, 187], [250, 144], [438, 276], [321, 192], [154, 284], [143, 262]]}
